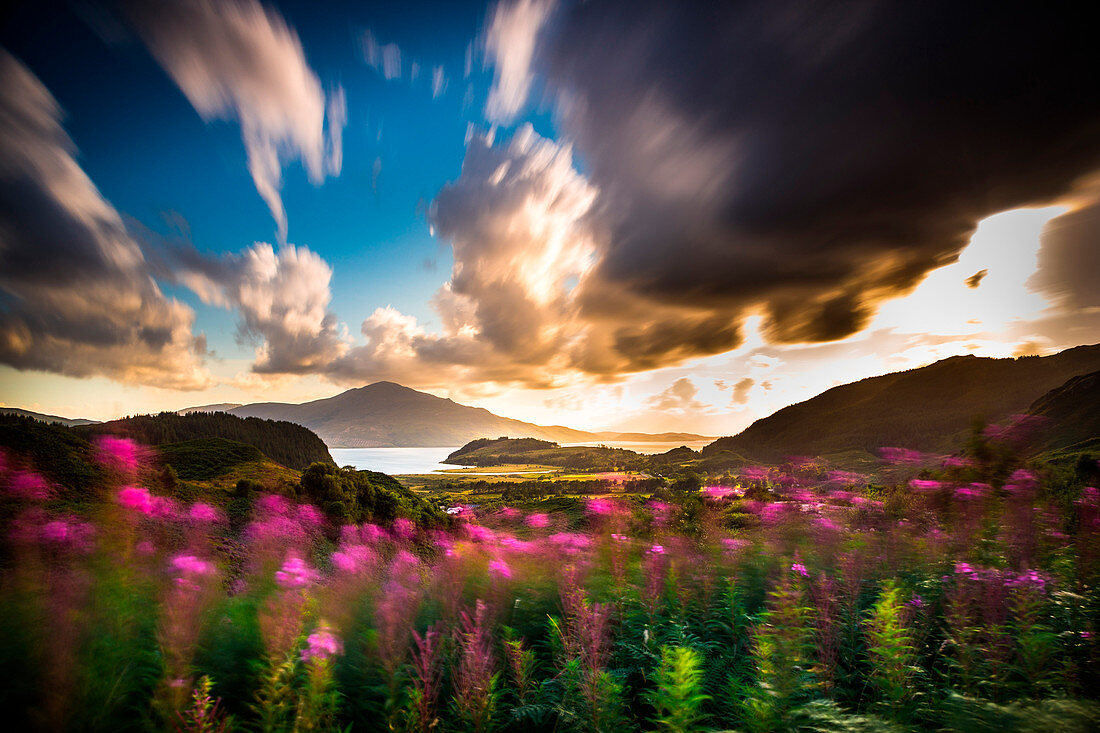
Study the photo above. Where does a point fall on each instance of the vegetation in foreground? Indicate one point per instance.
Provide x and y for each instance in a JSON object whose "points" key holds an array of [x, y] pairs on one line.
{"points": [[961, 595]]}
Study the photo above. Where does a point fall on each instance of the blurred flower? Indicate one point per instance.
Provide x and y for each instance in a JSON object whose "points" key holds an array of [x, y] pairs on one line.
{"points": [[295, 573], [310, 515], [121, 454], [322, 644], [538, 521], [657, 550], [29, 486], [272, 504], [920, 484], [479, 533], [353, 558], [203, 513], [719, 492], [404, 529], [600, 507], [499, 567], [136, 498], [800, 569]]}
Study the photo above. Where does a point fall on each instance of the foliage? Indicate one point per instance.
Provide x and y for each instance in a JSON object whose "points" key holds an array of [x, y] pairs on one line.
{"points": [[956, 593], [678, 696], [283, 442]]}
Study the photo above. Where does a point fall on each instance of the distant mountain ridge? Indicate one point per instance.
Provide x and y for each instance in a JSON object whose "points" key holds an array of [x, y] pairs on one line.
{"points": [[385, 414], [929, 409], [66, 421]]}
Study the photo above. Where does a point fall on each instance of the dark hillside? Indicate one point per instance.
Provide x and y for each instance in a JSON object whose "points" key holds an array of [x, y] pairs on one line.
{"points": [[1071, 414], [930, 408]]}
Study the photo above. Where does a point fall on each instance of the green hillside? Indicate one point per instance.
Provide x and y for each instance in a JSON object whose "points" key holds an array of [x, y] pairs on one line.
{"points": [[285, 443], [928, 409], [204, 459], [515, 451]]}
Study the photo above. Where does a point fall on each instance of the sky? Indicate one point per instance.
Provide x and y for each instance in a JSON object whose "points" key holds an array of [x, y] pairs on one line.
{"points": [[613, 214]]}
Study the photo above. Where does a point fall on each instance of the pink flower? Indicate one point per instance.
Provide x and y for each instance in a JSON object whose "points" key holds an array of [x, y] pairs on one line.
{"points": [[570, 542], [404, 529], [136, 498], [731, 545], [600, 507], [310, 516], [538, 521], [918, 484], [322, 644], [273, 504], [372, 533], [203, 513], [29, 486], [800, 569], [657, 550], [479, 533], [55, 531], [901, 456], [771, 513], [191, 565], [499, 567], [296, 573], [118, 453], [755, 473], [67, 533], [718, 492], [353, 558]]}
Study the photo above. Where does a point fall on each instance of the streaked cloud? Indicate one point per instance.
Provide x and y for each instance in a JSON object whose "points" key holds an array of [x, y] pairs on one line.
{"points": [[236, 59], [439, 82], [383, 58], [510, 41], [76, 296], [791, 160]]}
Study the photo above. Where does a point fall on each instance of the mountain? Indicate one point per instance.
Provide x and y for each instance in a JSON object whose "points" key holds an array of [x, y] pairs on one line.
{"points": [[385, 414], [930, 409], [1071, 414], [66, 421], [219, 407]]}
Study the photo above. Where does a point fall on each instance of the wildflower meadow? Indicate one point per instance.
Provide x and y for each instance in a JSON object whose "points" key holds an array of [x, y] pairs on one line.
{"points": [[951, 593]]}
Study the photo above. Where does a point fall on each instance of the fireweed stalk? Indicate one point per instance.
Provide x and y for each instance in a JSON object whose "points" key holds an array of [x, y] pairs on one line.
{"points": [[426, 677], [476, 679]]}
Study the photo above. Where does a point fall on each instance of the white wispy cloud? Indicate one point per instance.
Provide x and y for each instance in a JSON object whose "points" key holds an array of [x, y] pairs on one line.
{"points": [[510, 41], [236, 59]]}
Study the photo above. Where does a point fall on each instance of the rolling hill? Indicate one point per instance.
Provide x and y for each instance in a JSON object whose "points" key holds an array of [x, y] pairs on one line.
{"points": [[1071, 415], [285, 443], [66, 421], [929, 409], [385, 414]]}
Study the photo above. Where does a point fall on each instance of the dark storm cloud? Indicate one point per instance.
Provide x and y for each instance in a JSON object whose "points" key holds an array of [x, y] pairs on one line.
{"points": [[812, 158], [1069, 260]]}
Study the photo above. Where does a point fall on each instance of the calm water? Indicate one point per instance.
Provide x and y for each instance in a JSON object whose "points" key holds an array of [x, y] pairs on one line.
{"points": [[426, 460], [394, 460]]}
